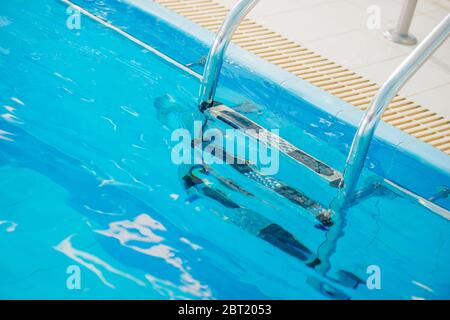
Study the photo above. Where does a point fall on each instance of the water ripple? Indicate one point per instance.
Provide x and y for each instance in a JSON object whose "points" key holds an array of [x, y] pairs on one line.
{"points": [[142, 230], [92, 262], [10, 226]]}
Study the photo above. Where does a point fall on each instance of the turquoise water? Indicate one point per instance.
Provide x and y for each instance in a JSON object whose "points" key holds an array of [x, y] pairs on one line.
{"points": [[86, 179]]}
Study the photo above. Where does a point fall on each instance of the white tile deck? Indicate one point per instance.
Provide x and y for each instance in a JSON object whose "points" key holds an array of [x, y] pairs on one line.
{"points": [[337, 29]]}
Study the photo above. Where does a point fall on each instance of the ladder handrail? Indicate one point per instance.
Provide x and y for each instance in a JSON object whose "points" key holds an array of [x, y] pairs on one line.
{"points": [[364, 135], [214, 61], [363, 138]]}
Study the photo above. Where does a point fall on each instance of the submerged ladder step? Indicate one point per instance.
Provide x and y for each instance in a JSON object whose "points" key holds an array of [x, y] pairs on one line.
{"points": [[248, 169], [251, 128]]}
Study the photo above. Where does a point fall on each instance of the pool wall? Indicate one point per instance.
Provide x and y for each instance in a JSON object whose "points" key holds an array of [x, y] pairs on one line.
{"points": [[394, 154]]}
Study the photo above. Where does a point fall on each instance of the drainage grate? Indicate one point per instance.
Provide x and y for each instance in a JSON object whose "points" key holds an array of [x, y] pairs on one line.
{"points": [[345, 84]]}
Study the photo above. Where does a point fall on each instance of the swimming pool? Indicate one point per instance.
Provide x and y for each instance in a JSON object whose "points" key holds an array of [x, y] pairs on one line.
{"points": [[87, 179]]}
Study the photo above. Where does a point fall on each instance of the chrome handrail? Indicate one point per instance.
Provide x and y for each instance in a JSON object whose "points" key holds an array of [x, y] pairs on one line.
{"points": [[214, 61], [363, 138], [400, 34]]}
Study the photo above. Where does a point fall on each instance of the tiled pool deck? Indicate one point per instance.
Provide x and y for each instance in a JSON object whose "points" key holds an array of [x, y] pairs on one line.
{"points": [[337, 30]]}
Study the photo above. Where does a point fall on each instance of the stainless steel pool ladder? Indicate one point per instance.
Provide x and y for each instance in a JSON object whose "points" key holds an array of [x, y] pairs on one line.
{"points": [[364, 136]]}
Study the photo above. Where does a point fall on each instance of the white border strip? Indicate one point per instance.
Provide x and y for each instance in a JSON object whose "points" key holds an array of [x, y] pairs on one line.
{"points": [[420, 200], [135, 40]]}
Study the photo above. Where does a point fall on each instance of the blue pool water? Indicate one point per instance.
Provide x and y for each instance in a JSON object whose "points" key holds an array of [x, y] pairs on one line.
{"points": [[86, 180]]}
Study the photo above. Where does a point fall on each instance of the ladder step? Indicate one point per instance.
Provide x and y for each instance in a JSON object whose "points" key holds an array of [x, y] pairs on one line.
{"points": [[295, 196], [251, 128]]}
